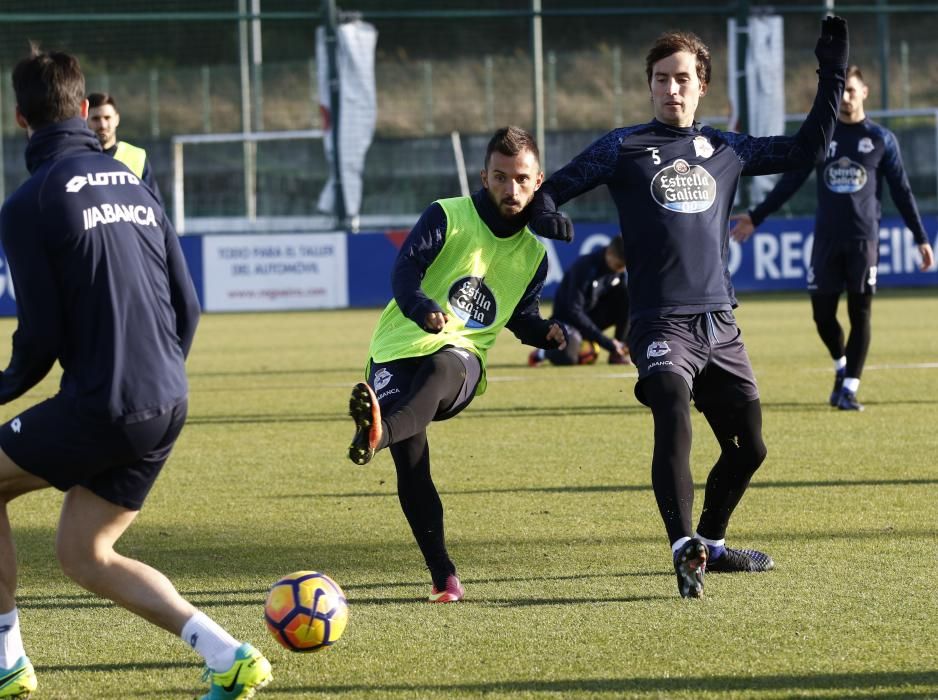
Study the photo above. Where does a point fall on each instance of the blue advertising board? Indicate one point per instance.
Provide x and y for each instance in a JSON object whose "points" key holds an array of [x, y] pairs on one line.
{"points": [[774, 259]]}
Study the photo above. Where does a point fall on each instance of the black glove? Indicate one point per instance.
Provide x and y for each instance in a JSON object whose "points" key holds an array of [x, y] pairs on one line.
{"points": [[553, 344], [553, 225], [833, 47]]}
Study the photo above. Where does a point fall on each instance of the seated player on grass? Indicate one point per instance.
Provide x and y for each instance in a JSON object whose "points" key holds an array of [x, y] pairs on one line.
{"points": [[591, 297]]}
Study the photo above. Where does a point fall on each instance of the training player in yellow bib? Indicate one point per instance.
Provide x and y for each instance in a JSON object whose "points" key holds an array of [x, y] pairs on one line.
{"points": [[469, 268], [103, 120]]}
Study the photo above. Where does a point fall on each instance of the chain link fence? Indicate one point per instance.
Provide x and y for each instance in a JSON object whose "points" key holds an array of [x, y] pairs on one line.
{"points": [[440, 68]]}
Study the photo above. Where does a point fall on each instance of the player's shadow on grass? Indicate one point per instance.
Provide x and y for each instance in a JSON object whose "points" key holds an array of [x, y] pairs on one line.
{"points": [[885, 684], [356, 371], [128, 666], [820, 407], [259, 418], [523, 412], [622, 488]]}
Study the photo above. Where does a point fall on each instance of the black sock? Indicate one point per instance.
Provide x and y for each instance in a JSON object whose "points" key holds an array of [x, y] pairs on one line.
{"points": [[668, 397], [422, 505], [859, 308], [824, 309], [739, 431]]}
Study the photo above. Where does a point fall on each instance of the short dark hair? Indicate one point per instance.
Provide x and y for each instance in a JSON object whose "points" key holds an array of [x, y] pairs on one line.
{"points": [[99, 99], [853, 71], [617, 247], [510, 141], [49, 87], [670, 43]]}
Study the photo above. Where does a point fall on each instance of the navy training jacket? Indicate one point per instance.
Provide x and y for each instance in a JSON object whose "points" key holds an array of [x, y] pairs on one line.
{"points": [[100, 281]]}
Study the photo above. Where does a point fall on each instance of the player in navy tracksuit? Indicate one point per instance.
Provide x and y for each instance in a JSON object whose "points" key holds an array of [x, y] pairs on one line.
{"points": [[846, 231], [103, 289], [590, 298], [673, 183]]}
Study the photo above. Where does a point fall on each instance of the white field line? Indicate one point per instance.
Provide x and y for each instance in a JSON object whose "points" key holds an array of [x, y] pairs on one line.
{"points": [[914, 365]]}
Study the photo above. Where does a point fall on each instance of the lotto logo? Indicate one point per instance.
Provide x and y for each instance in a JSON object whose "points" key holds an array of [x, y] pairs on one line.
{"points": [[96, 179]]}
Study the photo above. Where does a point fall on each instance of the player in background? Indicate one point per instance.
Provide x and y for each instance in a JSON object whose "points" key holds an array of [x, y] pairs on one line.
{"points": [[468, 268], [673, 182], [103, 120], [846, 231], [591, 297], [101, 287]]}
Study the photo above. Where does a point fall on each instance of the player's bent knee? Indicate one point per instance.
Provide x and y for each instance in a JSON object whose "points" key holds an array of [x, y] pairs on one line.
{"points": [[79, 560], [757, 454], [74, 564], [750, 456]]}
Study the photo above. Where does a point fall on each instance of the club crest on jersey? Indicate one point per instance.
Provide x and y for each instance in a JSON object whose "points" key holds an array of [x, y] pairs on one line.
{"points": [[843, 176], [865, 145], [702, 147], [658, 348], [684, 188], [473, 302], [382, 377]]}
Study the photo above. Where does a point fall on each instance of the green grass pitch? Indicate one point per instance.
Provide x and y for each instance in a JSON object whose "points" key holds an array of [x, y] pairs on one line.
{"points": [[550, 519]]}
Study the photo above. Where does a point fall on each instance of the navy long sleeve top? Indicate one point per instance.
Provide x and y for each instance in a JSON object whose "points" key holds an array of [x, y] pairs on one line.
{"points": [[850, 185], [100, 281], [674, 189]]}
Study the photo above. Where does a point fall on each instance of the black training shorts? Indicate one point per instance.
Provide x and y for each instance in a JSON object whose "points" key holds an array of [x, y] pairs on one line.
{"points": [[838, 265], [705, 349], [393, 380], [63, 445]]}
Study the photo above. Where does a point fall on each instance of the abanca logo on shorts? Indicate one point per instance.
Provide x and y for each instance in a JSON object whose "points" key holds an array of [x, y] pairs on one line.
{"points": [[843, 176], [684, 188], [473, 302]]}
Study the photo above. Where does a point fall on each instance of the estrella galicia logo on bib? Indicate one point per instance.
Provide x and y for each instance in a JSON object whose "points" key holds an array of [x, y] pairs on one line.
{"points": [[843, 176], [473, 302], [684, 188]]}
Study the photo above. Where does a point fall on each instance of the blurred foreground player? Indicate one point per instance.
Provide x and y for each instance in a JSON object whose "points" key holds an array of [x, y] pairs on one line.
{"points": [[469, 267], [102, 288], [845, 254], [673, 183], [591, 297]]}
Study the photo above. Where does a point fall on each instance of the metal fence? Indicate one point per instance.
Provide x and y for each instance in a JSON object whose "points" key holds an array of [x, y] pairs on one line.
{"points": [[220, 66]]}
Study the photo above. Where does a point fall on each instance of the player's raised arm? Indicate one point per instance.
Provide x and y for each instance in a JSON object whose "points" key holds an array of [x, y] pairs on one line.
{"points": [[776, 154], [593, 167]]}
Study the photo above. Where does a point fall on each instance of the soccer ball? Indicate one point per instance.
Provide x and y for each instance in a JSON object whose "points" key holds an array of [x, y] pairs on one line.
{"points": [[589, 351], [306, 611]]}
